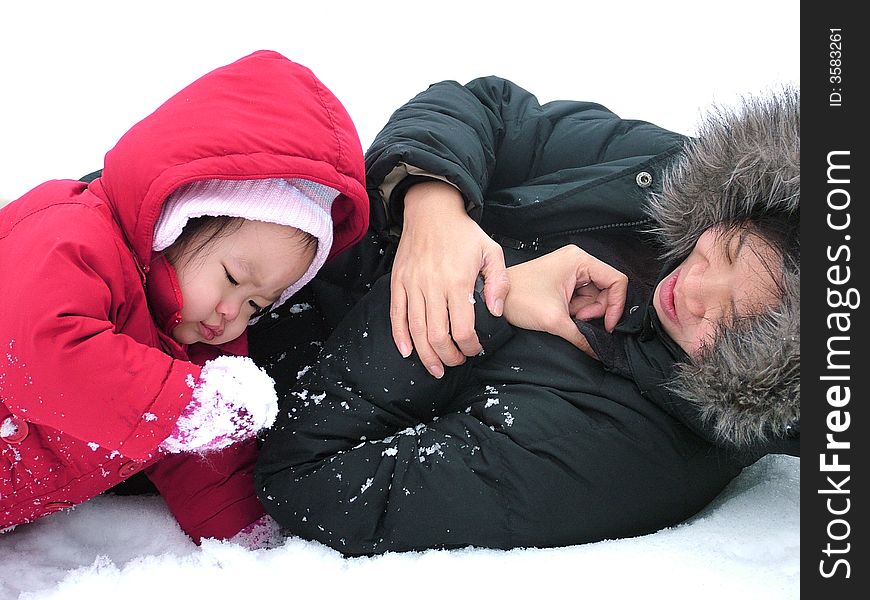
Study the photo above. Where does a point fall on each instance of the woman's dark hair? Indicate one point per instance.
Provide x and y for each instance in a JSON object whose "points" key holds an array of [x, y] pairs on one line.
{"points": [[780, 231]]}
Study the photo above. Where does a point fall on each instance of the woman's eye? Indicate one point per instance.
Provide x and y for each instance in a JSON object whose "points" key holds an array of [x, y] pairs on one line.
{"points": [[731, 251], [230, 278]]}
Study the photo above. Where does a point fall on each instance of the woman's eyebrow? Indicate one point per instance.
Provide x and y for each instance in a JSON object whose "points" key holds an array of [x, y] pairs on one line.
{"points": [[741, 241]]}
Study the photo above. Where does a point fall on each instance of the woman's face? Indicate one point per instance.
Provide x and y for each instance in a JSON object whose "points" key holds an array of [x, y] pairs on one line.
{"points": [[235, 275], [729, 274]]}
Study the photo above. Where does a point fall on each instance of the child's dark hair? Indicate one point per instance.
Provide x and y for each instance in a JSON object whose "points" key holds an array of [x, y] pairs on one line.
{"points": [[190, 243]]}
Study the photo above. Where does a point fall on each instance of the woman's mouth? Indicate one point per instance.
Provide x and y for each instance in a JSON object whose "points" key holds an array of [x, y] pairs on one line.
{"points": [[666, 296]]}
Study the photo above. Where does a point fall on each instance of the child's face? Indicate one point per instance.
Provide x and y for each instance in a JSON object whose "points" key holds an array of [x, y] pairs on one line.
{"points": [[235, 275], [725, 277]]}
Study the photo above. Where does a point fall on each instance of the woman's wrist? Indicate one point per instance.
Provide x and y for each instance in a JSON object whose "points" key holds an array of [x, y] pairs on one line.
{"points": [[434, 201]]}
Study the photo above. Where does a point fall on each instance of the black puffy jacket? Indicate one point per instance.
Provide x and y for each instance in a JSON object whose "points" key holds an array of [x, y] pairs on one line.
{"points": [[533, 443]]}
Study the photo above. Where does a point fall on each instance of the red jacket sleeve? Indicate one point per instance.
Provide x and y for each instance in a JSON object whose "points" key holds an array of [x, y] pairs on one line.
{"points": [[70, 362], [210, 495]]}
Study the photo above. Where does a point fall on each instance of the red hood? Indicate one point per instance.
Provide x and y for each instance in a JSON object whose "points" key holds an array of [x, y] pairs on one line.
{"points": [[261, 116]]}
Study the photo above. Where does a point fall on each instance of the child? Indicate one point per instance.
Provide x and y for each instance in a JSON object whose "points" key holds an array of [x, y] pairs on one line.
{"points": [[126, 299]]}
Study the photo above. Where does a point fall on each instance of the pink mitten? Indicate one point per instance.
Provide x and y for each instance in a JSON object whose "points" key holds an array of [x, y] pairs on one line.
{"points": [[262, 534], [232, 400]]}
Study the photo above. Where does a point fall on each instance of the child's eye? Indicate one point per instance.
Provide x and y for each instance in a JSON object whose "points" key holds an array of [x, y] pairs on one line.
{"points": [[258, 310], [230, 278]]}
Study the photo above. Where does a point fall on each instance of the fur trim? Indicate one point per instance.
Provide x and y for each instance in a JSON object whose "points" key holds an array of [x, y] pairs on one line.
{"points": [[745, 163]]}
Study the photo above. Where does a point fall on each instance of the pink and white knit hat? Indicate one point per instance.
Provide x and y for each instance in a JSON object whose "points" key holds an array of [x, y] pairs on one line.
{"points": [[298, 203]]}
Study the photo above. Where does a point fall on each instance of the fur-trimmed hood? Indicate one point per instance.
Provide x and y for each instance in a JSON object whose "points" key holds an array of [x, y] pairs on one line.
{"points": [[744, 164]]}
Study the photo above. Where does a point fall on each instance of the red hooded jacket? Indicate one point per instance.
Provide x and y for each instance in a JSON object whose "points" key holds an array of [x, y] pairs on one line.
{"points": [[90, 379]]}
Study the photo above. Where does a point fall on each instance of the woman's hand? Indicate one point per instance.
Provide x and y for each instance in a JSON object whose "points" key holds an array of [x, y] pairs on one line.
{"points": [[440, 255], [549, 292]]}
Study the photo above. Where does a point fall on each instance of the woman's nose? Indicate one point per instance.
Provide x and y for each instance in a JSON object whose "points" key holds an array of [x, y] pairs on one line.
{"points": [[708, 287]]}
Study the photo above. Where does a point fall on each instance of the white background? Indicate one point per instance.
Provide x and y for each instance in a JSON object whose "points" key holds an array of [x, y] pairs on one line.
{"points": [[74, 76]]}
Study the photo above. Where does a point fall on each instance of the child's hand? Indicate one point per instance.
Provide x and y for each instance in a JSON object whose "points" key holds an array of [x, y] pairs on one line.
{"points": [[232, 400], [547, 293]]}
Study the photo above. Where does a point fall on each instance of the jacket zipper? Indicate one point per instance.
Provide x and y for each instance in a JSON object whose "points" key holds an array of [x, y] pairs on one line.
{"points": [[539, 242], [143, 271]]}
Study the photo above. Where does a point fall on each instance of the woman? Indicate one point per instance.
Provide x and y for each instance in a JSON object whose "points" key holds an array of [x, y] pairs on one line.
{"points": [[535, 441]]}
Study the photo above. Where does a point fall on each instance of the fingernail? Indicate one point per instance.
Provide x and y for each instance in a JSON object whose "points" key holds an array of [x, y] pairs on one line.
{"points": [[498, 308], [437, 371], [405, 349]]}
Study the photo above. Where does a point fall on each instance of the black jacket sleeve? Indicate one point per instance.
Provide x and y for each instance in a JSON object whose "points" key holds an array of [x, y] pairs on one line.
{"points": [[491, 135]]}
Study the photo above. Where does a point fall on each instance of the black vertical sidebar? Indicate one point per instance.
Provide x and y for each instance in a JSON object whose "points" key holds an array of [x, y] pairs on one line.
{"points": [[835, 421]]}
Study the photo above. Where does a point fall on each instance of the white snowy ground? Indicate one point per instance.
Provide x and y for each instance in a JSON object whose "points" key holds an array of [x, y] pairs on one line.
{"points": [[746, 544]]}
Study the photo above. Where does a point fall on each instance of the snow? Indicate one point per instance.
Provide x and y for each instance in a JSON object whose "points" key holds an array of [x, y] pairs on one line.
{"points": [[225, 384], [744, 545], [299, 307], [7, 427], [80, 74]]}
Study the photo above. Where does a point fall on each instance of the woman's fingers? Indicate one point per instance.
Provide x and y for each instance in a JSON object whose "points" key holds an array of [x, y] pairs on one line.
{"points": [[567, 330], [419, 323], [399, 318], [605, 288], [438, 335], [461, 314], [496, 283], [615, 305]]}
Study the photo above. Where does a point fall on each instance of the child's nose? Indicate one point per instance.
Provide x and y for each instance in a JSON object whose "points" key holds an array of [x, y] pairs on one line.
{"points": [[229, 310]]}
